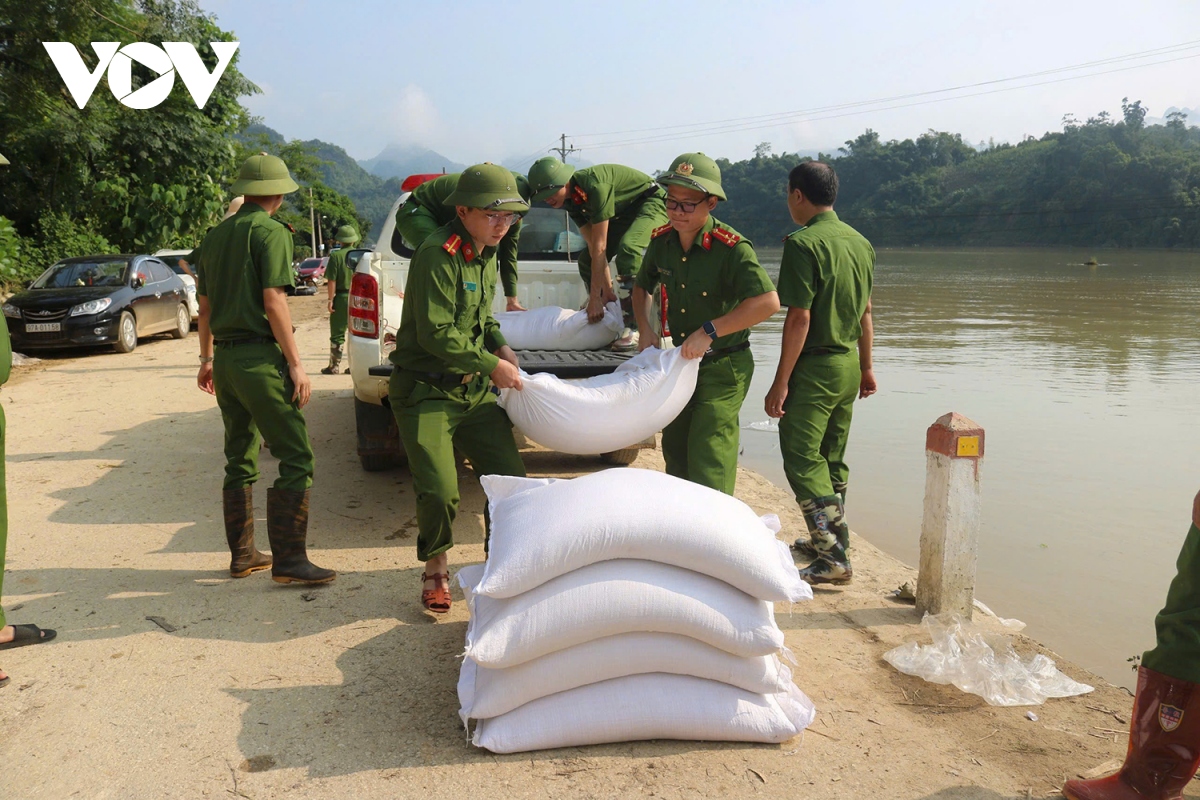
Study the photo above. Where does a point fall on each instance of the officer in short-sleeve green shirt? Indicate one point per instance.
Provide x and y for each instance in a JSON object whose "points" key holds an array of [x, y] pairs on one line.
{"points": [[337, 279], [715, 290]]}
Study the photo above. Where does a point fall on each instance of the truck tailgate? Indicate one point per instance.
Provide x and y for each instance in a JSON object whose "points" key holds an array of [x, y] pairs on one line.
{"points": [[563, 363]]}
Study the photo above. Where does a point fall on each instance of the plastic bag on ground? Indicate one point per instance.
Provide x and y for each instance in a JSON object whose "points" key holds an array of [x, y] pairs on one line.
{"points": [[981, 664], [554, 328], [630, 513], [608, 412], [640, 707]]}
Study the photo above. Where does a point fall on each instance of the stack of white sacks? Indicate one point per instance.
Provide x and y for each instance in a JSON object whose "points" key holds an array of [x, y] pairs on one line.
{"points": [[627, 605]]}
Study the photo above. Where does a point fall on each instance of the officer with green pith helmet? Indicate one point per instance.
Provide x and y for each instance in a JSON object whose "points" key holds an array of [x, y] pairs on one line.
{"points": [[716, 291], [616, 208], [337, 279], [449, 350], [426, 210], [249, 360], [825, 279]]}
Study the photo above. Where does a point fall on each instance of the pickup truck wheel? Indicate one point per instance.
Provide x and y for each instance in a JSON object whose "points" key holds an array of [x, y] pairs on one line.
{"points": [[620, 458]]}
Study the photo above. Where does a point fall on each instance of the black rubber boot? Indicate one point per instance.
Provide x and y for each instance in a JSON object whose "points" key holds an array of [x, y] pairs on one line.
{"points": [[830, 538], [287, 526], [335, 360], [804, 547], [239, 532]]}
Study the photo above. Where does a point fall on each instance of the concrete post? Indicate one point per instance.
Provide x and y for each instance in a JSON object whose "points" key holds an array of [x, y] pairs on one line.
{"points": [[950, 530]]}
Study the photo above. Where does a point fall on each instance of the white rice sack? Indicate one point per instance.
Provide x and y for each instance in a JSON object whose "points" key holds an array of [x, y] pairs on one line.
{"points": [[554, 328], [608, 412], [655, 706], [545, 528], [612, 597], [484, 693]]}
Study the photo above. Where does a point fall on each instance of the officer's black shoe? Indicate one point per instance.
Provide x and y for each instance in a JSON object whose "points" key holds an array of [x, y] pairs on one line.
{"points": [[828, 571], [287, 526], [239, 533]]}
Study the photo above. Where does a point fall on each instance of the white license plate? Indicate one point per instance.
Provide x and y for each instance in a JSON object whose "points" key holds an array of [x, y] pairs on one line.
{"points": [[42, 327]]}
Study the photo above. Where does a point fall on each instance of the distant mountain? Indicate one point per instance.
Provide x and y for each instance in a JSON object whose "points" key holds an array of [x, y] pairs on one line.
{"points": [[1193, 117], [258, 129], [402, 160], [372, 195]]}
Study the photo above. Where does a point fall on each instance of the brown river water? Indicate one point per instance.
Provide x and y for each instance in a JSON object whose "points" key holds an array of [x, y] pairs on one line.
{"points": [[1087, 382]]}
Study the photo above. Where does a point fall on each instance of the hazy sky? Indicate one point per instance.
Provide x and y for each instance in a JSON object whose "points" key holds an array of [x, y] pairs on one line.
{"points": [[498, 80]]}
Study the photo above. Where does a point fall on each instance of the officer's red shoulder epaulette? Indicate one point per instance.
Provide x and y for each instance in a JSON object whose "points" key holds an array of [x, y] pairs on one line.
{"points": [[727, 238], [659, 231], [452, 244], [289, 227]]}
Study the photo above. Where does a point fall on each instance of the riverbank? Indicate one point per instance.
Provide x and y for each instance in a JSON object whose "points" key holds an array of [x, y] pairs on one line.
{"points": [[263, 691]]}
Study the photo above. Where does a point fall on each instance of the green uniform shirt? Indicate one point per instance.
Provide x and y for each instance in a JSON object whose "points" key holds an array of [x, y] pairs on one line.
{"points": [[237, 260], [336, 271], [828, 268], [447, 323], [604, 191], [432, 196], [708, 281]]}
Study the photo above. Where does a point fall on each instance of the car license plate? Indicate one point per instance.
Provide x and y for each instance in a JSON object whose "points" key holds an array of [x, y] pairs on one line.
{"points": [[42, 327]]}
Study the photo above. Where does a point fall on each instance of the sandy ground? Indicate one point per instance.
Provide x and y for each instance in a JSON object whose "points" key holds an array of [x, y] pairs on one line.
{"points": [[264, 691]]}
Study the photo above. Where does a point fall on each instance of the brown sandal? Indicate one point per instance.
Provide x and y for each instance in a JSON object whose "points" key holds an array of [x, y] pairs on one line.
{"points": [[437, 599]]}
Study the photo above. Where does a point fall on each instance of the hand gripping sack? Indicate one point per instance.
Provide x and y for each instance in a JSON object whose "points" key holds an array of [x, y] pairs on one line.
{"points": [[640, 707], [554, 328], [608, 412], [484, 693], [545, 528], [613, 597]]}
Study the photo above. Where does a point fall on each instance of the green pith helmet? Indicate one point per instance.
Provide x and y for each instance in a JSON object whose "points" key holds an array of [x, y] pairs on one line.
{"points": [[694, 171], [546, 176], [347, 234], [523, 187], [3, 160], [487, 186], [263, 176]]}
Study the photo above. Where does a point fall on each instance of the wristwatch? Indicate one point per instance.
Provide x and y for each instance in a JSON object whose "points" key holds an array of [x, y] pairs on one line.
{"points": [[206, 359], [710, 329]]}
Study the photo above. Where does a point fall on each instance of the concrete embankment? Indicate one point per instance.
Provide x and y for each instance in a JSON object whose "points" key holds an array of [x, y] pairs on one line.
{"points": [[263, 691]]}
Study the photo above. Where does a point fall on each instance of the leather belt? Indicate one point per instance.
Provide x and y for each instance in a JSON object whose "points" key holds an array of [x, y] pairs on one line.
{"points": [[721, 352], [442, 380], [247, 340]]}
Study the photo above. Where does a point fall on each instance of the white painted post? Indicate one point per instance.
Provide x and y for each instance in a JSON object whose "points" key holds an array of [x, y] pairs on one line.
{"points": [[950, 531]]}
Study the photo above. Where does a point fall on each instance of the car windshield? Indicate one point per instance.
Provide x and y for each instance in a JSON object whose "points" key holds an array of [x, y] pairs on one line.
{"points": [[310, 263], [100, 272]]}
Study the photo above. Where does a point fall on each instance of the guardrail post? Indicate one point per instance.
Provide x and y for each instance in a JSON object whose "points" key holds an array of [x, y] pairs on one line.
{"points": [[950, 530]]}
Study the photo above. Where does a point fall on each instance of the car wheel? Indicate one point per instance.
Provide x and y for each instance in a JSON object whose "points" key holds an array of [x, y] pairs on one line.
{"points": [[126, 333], [183, 323]]}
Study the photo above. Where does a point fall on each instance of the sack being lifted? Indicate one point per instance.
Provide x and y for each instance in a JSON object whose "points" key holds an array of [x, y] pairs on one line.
{"points": [[554, 328], [610, 412]]}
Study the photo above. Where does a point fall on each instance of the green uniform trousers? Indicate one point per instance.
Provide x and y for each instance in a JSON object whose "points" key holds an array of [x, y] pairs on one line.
{"points": [[1177, 649], [815, 426], [415, 223], [339, 319], [3, 510], [433, 421], [628, 238], [254, 392], [701, 444]]}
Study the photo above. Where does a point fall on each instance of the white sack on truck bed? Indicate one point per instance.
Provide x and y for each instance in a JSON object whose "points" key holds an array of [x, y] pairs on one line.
{"points": [[554, 328], [608, 412], [545, 528]]}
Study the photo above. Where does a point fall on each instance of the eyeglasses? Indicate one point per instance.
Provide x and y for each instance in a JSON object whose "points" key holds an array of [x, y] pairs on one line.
{"points": [[502, 218], [687, 208]]}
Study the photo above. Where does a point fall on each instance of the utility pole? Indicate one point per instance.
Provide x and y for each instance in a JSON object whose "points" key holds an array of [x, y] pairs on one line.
{"points": [[312, 224], [562, 150]]}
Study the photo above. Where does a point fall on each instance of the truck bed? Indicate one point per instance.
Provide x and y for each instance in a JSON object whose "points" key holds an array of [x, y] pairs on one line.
{"points": [[563, 363]]}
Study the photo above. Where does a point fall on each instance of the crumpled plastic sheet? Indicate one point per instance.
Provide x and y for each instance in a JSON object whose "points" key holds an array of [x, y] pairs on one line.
{"points": [[981, 663]]}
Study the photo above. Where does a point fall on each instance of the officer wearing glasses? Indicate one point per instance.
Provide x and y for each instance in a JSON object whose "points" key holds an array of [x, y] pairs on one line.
{"points": [[716, 291], [448, 349]]}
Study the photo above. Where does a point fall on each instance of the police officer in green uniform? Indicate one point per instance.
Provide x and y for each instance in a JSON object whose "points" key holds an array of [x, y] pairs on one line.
{"points": [[426, 210], [1164, 732], [825, 279], [716, 291], [249, 360], [448, 349], [337, 278], [616, 208]]}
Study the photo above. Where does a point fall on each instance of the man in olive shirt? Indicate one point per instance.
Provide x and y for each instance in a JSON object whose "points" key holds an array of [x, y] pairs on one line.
{"points": [[716, 291], [825, 279], [337, 279], [447, 347], [249, 360], [616, 209], [426, 210]]}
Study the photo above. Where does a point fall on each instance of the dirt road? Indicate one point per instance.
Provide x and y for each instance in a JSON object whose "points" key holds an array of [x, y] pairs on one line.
{"points": [[264, 691]]}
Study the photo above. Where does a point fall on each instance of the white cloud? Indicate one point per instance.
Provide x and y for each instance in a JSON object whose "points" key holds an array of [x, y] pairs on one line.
{"points": [[411, 118]]}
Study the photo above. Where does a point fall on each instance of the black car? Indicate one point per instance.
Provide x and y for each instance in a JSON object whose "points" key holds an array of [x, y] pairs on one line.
{"points": [[96, 300]]}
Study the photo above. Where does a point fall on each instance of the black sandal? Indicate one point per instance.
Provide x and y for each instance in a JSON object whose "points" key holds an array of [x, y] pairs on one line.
{"points": [[24, 635]]}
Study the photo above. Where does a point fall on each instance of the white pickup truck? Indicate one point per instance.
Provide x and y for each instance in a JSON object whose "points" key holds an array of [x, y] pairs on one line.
{"points": [[548, 276]]}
